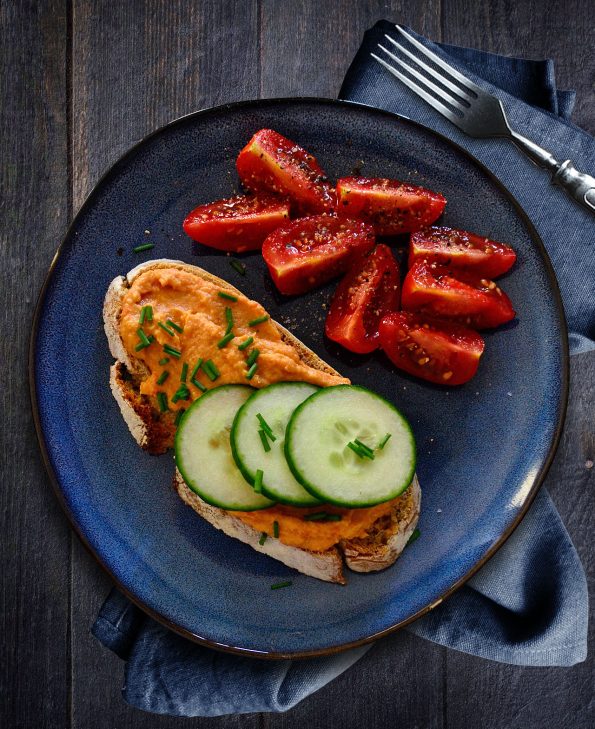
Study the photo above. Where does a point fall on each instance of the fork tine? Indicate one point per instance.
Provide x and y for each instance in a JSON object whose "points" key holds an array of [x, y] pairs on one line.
{"points": [[441, 93], [439, 62], [461, 93], [445, 111]]}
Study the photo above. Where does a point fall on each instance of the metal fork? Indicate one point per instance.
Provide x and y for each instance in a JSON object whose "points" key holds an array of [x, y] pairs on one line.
{"points": [[476, 112]]}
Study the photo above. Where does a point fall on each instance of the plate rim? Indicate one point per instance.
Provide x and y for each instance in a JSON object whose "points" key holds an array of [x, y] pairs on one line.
{"points": [[538, 478]]}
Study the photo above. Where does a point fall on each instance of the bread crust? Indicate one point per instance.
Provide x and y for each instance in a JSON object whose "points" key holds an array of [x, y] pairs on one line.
{"points": [[154, 432], [327, 566]]}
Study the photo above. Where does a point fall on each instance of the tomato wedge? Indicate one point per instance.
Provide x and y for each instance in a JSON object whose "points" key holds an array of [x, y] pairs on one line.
{"points": [[310, 251], [391, 206], [369, 290], [273, 163], [447, 354], [462, 250], [433, 290], [237, 224]]}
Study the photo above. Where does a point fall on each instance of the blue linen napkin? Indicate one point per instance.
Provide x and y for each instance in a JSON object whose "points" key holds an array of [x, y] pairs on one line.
{"points": [[528, 605]]}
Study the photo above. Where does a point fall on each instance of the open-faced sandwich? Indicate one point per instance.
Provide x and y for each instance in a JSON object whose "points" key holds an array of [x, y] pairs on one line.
{"points": [[272, 445]]}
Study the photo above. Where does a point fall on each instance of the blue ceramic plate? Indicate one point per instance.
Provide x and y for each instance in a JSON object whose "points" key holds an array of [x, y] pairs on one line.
{"points": [[483, 448]]}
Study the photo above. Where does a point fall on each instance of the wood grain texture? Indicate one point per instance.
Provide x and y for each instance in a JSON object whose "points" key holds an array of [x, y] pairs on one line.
{"points": [[34, 556], [563, 31], [306, 47], [398, 683], [140, 65]]}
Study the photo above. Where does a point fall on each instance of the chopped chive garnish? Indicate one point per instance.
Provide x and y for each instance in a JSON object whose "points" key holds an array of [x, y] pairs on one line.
{"points": [[414, 535], [266, 427], [146, 314], [258, 481], [142, 345], [258, 320], [210, 370], [322, 516], [206, 367], [179, 414], [239, 267], [245, 344], [358, 450], [195, 369], [172, 351], [162, 400], [144, 247], [225, 295], [366, 449], [264, 441], [184, 373], [279, 585], [175, 326], [252, 357], [166, 329], [226, 340], [229, 319], [198, 384], [276, 529], [143, 337], [182, 393], [164, 361], [383, 442], [163, 377], [263, 538], [318, 516], [251, 371]]}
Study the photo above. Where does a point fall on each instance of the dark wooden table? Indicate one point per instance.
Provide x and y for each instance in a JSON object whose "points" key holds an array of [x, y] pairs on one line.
{"points": [[80, 83]]}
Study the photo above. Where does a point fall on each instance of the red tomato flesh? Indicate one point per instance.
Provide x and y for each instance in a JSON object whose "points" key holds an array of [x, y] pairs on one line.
{"points": [[237, 224], [369, 290], [461, 250], [272, 163], [435, 290], [391, 206], [311, 251], [440, 352]]}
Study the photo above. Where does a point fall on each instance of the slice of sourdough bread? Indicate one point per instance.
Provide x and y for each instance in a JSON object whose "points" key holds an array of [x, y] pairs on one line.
{"points": [[154, 432]]}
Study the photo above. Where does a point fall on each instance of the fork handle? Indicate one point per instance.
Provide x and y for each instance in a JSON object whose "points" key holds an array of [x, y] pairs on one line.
{"points": [[577, 184]]}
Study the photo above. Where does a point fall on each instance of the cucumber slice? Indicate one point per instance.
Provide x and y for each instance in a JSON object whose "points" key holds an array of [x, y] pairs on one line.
{"points": [[275, 404], [203, 451], [320, 459]]}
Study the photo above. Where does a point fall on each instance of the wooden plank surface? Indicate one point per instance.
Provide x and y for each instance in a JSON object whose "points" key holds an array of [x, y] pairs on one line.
{"points": [[87, 79], [34, 212], [564, 31]]}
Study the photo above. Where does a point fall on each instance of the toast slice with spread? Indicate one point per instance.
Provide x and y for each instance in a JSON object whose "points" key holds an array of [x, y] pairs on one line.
{"points": [[197, 299]]}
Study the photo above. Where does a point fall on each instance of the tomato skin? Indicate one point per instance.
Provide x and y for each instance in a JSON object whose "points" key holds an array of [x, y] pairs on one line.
{"points": [[237, 224], [437, 351], [460, 249], [369, 290], [311, 251], [393, 207], [272, 163], [435, 290]]}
